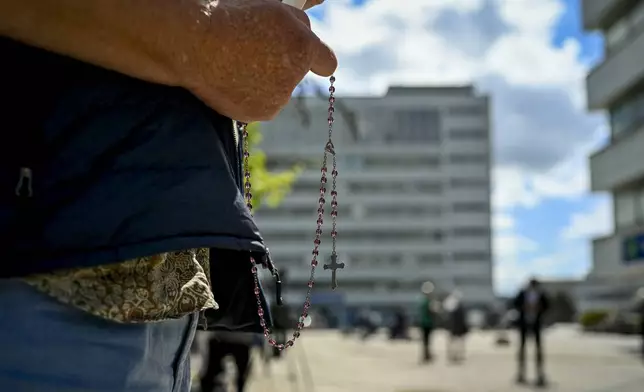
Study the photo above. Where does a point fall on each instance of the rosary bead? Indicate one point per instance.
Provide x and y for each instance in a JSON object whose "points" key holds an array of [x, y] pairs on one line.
{"points": [[329, 149]]}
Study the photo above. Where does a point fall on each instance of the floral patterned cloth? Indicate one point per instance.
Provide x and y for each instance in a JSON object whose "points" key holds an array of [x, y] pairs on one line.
{"points": [[154, 288]]}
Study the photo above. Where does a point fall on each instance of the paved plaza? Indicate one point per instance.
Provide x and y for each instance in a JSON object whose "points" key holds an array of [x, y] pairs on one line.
{"points": [[325, 361]]}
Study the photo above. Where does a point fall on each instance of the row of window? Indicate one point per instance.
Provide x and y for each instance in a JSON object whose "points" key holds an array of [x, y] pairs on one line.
{"points": [[406, 187], [399, 211], [403, 187], [468, 134], [627, 26], [353, 163], [629, 208], [468, 158], [628, 115], [429, 236], [350, 285], [421, 259]]}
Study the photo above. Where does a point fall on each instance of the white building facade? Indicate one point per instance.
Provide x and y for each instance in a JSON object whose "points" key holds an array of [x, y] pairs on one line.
{"points": [[616, 85], [413, 195]]}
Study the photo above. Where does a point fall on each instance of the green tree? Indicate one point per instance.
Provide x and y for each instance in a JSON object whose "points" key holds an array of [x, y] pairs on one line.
{"points": [[268, 188]]}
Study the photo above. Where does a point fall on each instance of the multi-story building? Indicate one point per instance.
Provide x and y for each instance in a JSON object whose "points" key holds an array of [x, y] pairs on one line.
{"points": [[616, 85], [413, 193]]}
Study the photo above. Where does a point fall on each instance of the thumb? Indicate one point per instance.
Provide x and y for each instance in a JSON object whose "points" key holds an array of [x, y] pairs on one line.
{"points": [[324, 60]]}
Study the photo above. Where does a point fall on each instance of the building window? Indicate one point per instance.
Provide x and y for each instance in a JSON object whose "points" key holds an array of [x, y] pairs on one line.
{"points": [[625, 209], [468, 134], [350, 162], [403, 211], [630, 24], [415, 126], [285, 211], [617, 33], [429, 258], [640, 205], [470, 256], [468, 183], [395, 188], [468, 158], [402, 162], [477, 110], [471, 232], [471, 207], [628, 115]]}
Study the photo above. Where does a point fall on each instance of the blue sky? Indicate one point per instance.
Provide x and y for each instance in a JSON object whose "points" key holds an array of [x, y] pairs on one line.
{"points": [[531, 58]]}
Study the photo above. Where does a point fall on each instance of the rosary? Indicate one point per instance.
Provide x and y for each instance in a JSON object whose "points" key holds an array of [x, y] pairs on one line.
{"points": [[329, 149]]}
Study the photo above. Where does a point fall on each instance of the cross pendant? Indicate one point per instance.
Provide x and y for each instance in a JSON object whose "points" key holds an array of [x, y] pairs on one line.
{"points": [[334, 266]]}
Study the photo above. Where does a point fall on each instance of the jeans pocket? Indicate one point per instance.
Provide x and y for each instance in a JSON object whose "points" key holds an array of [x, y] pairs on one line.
{"points": [[182, 376]]}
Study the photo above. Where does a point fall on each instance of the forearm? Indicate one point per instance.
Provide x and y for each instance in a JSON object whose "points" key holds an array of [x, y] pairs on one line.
{"points": [[141, 38]]}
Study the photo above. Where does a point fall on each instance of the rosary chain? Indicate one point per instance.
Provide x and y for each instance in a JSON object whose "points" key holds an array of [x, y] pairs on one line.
{"points": [[329, 149]]}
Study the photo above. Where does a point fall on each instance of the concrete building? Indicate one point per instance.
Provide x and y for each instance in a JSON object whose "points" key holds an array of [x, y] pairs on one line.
{"points": [[413, 194], [616, 85]]}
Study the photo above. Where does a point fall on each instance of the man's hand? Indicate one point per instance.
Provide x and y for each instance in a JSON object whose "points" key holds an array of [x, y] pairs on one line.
{"points": [[255, 54], [243, 58], [312, 3]]}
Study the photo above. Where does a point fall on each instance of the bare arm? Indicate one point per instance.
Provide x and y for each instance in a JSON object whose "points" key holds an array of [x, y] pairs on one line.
{"points": [[241, 57], [122, 35]]}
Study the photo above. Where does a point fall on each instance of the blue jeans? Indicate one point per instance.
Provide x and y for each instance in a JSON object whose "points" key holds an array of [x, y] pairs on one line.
{"points": [[46, 345]]}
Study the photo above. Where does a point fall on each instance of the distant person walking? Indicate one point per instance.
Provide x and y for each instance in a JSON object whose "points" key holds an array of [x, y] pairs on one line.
{"points": [[426, 312], [456, 325], [531, 304]]}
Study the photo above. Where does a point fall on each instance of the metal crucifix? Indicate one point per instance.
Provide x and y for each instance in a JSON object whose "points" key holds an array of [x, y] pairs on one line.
{"points": [[334, 266]]}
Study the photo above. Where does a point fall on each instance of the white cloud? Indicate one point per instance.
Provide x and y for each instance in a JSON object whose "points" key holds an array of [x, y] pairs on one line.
{"points": [[542, 129], [595, 222], [502, 222], [542, 133]]}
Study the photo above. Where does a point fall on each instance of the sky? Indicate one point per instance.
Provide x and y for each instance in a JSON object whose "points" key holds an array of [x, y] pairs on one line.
{"points": [[531, 57]]}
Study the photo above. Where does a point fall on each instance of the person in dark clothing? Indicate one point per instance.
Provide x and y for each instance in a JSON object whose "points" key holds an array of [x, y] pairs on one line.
{"points": [[531, 304], [400, 326], [457, 327], [426, 312], [222, 344]]}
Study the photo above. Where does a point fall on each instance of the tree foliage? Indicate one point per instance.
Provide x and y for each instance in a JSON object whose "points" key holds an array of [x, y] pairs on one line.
{"points": [[268, 188]]}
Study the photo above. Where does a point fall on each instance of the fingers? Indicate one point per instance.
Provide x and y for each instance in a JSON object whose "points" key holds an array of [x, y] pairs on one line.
{"points": [[301, 15], [312, 3], [324, 60]]}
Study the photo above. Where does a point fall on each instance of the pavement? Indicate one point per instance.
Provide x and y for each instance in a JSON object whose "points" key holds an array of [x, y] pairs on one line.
{"points": [[325, 361]]}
